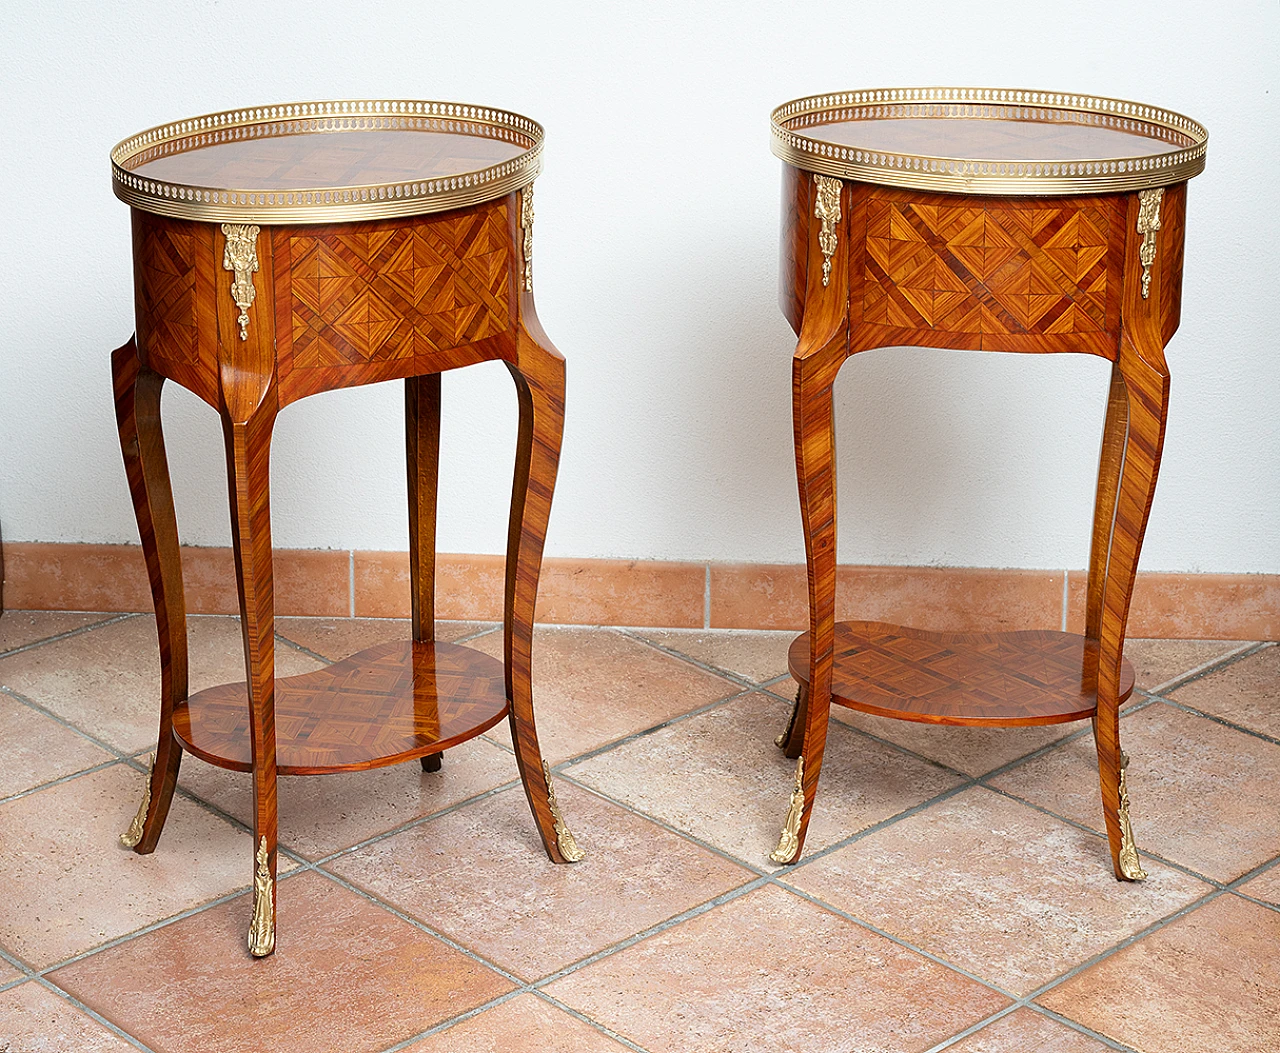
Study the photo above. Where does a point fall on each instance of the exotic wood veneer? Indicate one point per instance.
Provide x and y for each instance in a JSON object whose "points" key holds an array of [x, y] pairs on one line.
{"points": [[987, 220], [288, 250]]}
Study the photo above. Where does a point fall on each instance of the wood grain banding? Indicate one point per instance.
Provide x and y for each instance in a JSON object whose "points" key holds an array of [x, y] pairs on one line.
{"points": [[384, 705], [980, 679]]}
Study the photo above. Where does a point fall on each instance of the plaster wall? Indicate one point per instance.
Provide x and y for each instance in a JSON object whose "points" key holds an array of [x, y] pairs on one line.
{"points": [[656, 274]]}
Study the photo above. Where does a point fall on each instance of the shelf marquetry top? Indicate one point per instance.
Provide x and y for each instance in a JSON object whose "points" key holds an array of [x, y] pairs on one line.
{"points": [[996, 141], [327, 162]]}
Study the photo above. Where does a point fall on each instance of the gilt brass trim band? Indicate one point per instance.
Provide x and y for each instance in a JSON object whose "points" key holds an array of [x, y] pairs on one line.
{"points": [[1187, 140], [327, 205]]}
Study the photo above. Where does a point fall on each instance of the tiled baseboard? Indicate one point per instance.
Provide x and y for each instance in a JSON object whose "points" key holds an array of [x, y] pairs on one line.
{"points": [[41, 576]]}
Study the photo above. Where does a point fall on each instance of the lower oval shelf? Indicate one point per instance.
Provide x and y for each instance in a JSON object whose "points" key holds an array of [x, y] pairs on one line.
{"points": [[991, 679], [381, 706]]}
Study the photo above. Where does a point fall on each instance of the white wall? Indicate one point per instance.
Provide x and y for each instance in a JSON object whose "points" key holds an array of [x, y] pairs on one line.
{"points": [[656, 275]]}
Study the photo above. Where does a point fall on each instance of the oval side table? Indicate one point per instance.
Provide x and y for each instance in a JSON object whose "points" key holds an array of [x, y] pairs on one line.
{"points": [[287, 250], [988, 220]]}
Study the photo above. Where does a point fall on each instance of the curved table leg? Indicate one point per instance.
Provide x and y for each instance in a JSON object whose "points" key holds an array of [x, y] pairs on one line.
{"points": [[137, 398], [1145, 381], [422, 457], [539, 376], [248, 469], [792, 738], [813, 415]]}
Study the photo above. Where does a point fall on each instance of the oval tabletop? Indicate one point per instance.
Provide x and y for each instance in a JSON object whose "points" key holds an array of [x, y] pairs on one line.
{"points": [[327, 162], [1003, 141]]}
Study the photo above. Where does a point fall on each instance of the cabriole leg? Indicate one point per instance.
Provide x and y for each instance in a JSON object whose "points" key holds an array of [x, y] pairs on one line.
{"points": [[539, 377], [1145, 389], [137, 399], [248, 468]]}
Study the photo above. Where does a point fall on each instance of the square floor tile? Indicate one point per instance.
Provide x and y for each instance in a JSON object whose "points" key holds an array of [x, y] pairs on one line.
{"points": [[1266, 886], [1206, 983], [719, 777], [346, 976], [107, 680], [338, 638], [1026, 1031], [593, 686], [974, 751], [37, 749], [35, 1020], [20, 628], [1246, 692], [753, 655], [771, 972], [68, 884], [481, 876], [524, 1024], [994, 887], [320, 814], [1201, 794], [1157, 662]]}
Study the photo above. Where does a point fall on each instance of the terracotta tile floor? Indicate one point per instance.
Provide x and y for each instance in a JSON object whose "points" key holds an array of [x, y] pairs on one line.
{"points": [[956, 894]]}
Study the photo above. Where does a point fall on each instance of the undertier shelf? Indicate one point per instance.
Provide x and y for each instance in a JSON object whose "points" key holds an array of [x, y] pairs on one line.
{"points": [[991, 679], [381, 706]]}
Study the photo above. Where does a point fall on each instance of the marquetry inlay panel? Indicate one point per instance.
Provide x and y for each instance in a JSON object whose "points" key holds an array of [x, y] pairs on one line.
{"points": [[377, 292], [1006, 267], [166, 290]]}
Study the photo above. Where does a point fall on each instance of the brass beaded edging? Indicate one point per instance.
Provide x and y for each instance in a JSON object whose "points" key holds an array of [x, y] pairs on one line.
{"points": [[328, 205], [1188, 141]]}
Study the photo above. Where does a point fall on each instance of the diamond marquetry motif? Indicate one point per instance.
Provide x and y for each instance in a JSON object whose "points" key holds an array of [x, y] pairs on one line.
{"points": [[961, 678], [167, 290], [398, 291], [1005, 268]]}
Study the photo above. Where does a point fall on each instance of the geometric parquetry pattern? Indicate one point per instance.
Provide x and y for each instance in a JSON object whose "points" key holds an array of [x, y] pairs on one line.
{"points": [[167, 291], [962, 678], [974, 268], [375, 706], [398, 290]]}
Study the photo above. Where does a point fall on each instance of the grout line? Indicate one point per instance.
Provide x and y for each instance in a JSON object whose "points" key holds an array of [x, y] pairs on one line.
{"points": [[725, 674], [107, 620], [607, 1031], [960, 1036], [898, 941], [1075, 1025], [303, 650], [1066, 575], [150, 927], [418, 820], [1128, 941], [67, 996], [1174, 704], [626, 740], [1211, 666], [653, 930], [706, 598], [102, 744], [351, 580], [417, 923], [444, 1025], [59, 781]]}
